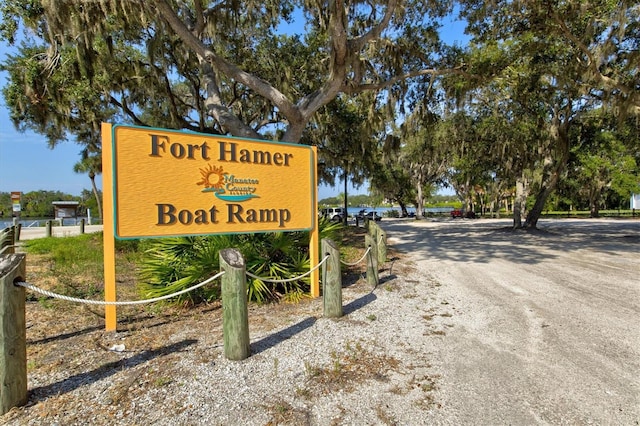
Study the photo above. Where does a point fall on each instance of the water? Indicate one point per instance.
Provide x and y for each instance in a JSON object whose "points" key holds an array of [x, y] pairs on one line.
{"points": [[35, 222], [352, 211]]}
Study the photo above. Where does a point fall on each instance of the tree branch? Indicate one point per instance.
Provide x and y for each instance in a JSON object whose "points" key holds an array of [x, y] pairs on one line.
{"points": [[261, 87], [377, 30], [393, 80]]}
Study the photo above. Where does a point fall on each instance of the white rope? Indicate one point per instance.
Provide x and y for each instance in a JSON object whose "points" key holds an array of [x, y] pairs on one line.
{"points": [[361, 259], [286, 280], [102, 302]]}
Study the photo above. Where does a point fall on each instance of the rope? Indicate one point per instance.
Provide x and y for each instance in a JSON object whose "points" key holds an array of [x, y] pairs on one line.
{"points": [[101, 302], [286, 280], [361, 259], [178, 293]]}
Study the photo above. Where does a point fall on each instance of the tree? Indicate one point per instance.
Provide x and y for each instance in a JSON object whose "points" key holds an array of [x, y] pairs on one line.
{"points": [[423, 154], [568, 63], [390, 179], [601, 161], [346, 140], [224, 67], [91, 164]]}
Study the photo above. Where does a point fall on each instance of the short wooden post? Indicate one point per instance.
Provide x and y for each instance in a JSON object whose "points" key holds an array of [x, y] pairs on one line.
{"points": [[381, 240], [7, 244], [331, 280], [235, 313], [81, 226], [13, 333], [48, 226], [372, 261], [16, 234]]}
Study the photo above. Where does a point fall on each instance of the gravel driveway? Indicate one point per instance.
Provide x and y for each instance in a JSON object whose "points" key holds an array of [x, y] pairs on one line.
{"points": [[546, 324], [472, 324]]}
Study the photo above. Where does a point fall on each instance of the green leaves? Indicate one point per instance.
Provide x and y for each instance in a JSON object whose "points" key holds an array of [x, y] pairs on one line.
{"points": [[173, 264]]}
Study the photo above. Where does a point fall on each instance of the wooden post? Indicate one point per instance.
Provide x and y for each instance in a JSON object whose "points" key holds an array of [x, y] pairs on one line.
{"points": [[13, 333], [81, 226], [7, 240], [372, 261], [16, 233], [381, 241], [331, 280], [235, 313], [48, 225]]}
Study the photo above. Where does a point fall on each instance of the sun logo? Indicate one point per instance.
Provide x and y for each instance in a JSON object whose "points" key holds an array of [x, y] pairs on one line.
{"points": [[212, 177]]}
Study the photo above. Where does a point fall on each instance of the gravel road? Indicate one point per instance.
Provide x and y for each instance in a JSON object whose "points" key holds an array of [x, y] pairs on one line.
{"points": [[472, 324], [546, 327]]}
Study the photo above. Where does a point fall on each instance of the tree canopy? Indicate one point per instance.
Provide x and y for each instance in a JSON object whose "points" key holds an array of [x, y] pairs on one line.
{"points": [[496, 118], [217, 67]]}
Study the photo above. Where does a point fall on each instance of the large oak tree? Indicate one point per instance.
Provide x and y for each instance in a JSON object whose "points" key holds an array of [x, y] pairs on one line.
{"points": [[221, 67]]}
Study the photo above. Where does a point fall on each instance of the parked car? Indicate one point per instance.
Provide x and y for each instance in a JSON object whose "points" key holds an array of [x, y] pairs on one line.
{"points": [[461, 214], [456, 213], [363, 214], [333, 213]]}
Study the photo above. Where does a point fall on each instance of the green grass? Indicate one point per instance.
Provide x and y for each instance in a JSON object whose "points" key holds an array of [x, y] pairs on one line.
{"points": [[69, 251], [74, 266]]}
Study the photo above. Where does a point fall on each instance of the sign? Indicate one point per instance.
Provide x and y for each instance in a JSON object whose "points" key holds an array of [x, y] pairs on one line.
{"points": [[170, 183], [16, 208]]}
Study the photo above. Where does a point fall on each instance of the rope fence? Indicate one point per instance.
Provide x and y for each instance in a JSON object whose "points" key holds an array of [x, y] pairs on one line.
{"points": [[54, 295], [358, 261], [288, 280], [117, 303], [233, 275]]}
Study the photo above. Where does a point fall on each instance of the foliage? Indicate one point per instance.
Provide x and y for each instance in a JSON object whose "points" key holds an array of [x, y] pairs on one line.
{"points": [[550, 62], [173, 264], [354, 200], [40, 203], [218, 67]]}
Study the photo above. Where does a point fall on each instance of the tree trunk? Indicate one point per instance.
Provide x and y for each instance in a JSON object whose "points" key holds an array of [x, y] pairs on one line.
{"points": [[594, 208], [553, 168], [419, 202], [344, 216], [94, 188], [403, 209], [520, 201], [545, 190]]}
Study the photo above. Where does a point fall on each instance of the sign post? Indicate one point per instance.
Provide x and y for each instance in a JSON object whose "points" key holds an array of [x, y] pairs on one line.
{"points": [[16, 208], [161, 183], [109, 239]]}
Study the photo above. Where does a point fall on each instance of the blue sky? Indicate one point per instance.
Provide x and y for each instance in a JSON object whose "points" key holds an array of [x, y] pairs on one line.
{"points": [[27, 164]]}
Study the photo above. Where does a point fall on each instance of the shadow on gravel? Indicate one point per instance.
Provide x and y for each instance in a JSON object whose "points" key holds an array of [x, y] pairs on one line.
{"points": [[358, 303], [104, 371], [481, 241], [282, 335], [64, 336]]}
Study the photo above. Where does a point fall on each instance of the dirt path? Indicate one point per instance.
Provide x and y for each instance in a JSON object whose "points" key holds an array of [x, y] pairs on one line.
{"points": [[545, 327]]}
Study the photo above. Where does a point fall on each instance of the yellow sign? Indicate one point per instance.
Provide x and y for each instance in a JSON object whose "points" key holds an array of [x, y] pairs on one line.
{"points": [[170, 183]]}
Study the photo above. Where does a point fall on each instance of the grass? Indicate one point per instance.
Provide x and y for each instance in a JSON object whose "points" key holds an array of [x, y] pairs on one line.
{"points": [[74, 266]]}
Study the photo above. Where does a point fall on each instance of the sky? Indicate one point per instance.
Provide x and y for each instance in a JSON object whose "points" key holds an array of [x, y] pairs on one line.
{"points": [[27, 164]]}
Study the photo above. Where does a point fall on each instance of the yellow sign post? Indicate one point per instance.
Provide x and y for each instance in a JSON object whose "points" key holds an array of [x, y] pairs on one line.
{"points": [[171, 183]]}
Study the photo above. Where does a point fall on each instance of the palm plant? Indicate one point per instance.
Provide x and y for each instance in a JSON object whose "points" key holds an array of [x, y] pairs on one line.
{"points": [[173, 264]]}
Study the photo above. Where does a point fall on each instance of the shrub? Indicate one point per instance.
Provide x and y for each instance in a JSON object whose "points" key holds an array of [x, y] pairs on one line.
{"points": [[173, 264]]}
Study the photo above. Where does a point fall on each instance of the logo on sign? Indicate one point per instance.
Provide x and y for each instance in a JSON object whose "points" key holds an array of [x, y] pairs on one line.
{"points": [[226, 186]]}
